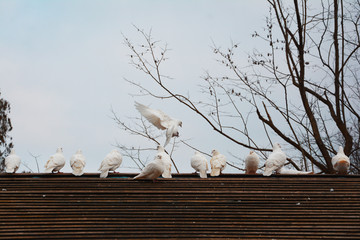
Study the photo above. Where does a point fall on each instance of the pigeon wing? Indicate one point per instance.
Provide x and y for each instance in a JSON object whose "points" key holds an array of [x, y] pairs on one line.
{"points": [[77, 160], [50, 165], [199, 163], [151, 171], [167, 165], [58, 160], [215, 166], [104, 167], [219, 161], [196, 162], [334, 160], [275, 161], [115, 162], [169, 134], [48, 162], [108, 163], [269, 168], [78, 165], [222, 160], [73, 160], [158, 118]]}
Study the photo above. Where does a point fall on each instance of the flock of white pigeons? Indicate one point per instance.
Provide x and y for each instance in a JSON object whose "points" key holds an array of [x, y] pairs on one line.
{"points": [[161, 165]]}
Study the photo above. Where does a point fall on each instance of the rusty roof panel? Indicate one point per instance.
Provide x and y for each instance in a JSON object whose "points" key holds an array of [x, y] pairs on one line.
{"points": [[58, 206]]}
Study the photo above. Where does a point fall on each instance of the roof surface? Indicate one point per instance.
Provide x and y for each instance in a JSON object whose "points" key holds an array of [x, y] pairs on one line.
{"points": [[54, 206]]}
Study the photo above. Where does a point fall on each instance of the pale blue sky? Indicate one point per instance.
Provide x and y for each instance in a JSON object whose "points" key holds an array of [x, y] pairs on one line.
{"points": [[62, 65]]}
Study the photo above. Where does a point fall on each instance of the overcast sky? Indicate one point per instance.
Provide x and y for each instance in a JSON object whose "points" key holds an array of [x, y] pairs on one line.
{"points": [[63, 64]]}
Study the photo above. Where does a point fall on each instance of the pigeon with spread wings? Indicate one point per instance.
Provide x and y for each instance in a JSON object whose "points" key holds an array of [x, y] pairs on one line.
{"points": [[160, 120]]}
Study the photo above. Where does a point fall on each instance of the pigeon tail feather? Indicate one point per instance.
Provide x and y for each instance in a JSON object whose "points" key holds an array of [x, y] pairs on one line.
{"points": [[268, 172], [251, 171], [140, 176], [104, 174], [343, 166], [203, 174], [167, 141], [215, 172], [166, 175], [78, 172]]}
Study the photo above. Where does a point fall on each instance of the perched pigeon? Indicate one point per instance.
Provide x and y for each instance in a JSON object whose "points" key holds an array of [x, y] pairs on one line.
{"points": [[166, 160], [160, 120], [55, 162], [111, 162], [199, 163], [152, 170], [12, 162], [252, 163], [341, 162], [284, 170], [275, 160], [77, 163], [217, 162]]}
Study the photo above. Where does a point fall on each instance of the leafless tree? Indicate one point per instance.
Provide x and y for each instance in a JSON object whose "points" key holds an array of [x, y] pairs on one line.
{"points": [[6, 143], [35, 157], [302, 87]]}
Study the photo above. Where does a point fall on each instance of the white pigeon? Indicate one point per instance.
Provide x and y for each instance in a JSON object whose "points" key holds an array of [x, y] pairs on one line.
{"points": [[166, 160], [160, 120], [77, 163], [153, 169], [217, 162], [284, 170], [252, 163], [12, 162], [275, 160], [111, 162], [341, 162], [199, 163], [56, 162]]}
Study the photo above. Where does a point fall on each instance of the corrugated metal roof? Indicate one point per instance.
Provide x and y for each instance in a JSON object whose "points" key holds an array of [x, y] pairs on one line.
{"points": [[58, 206]]}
